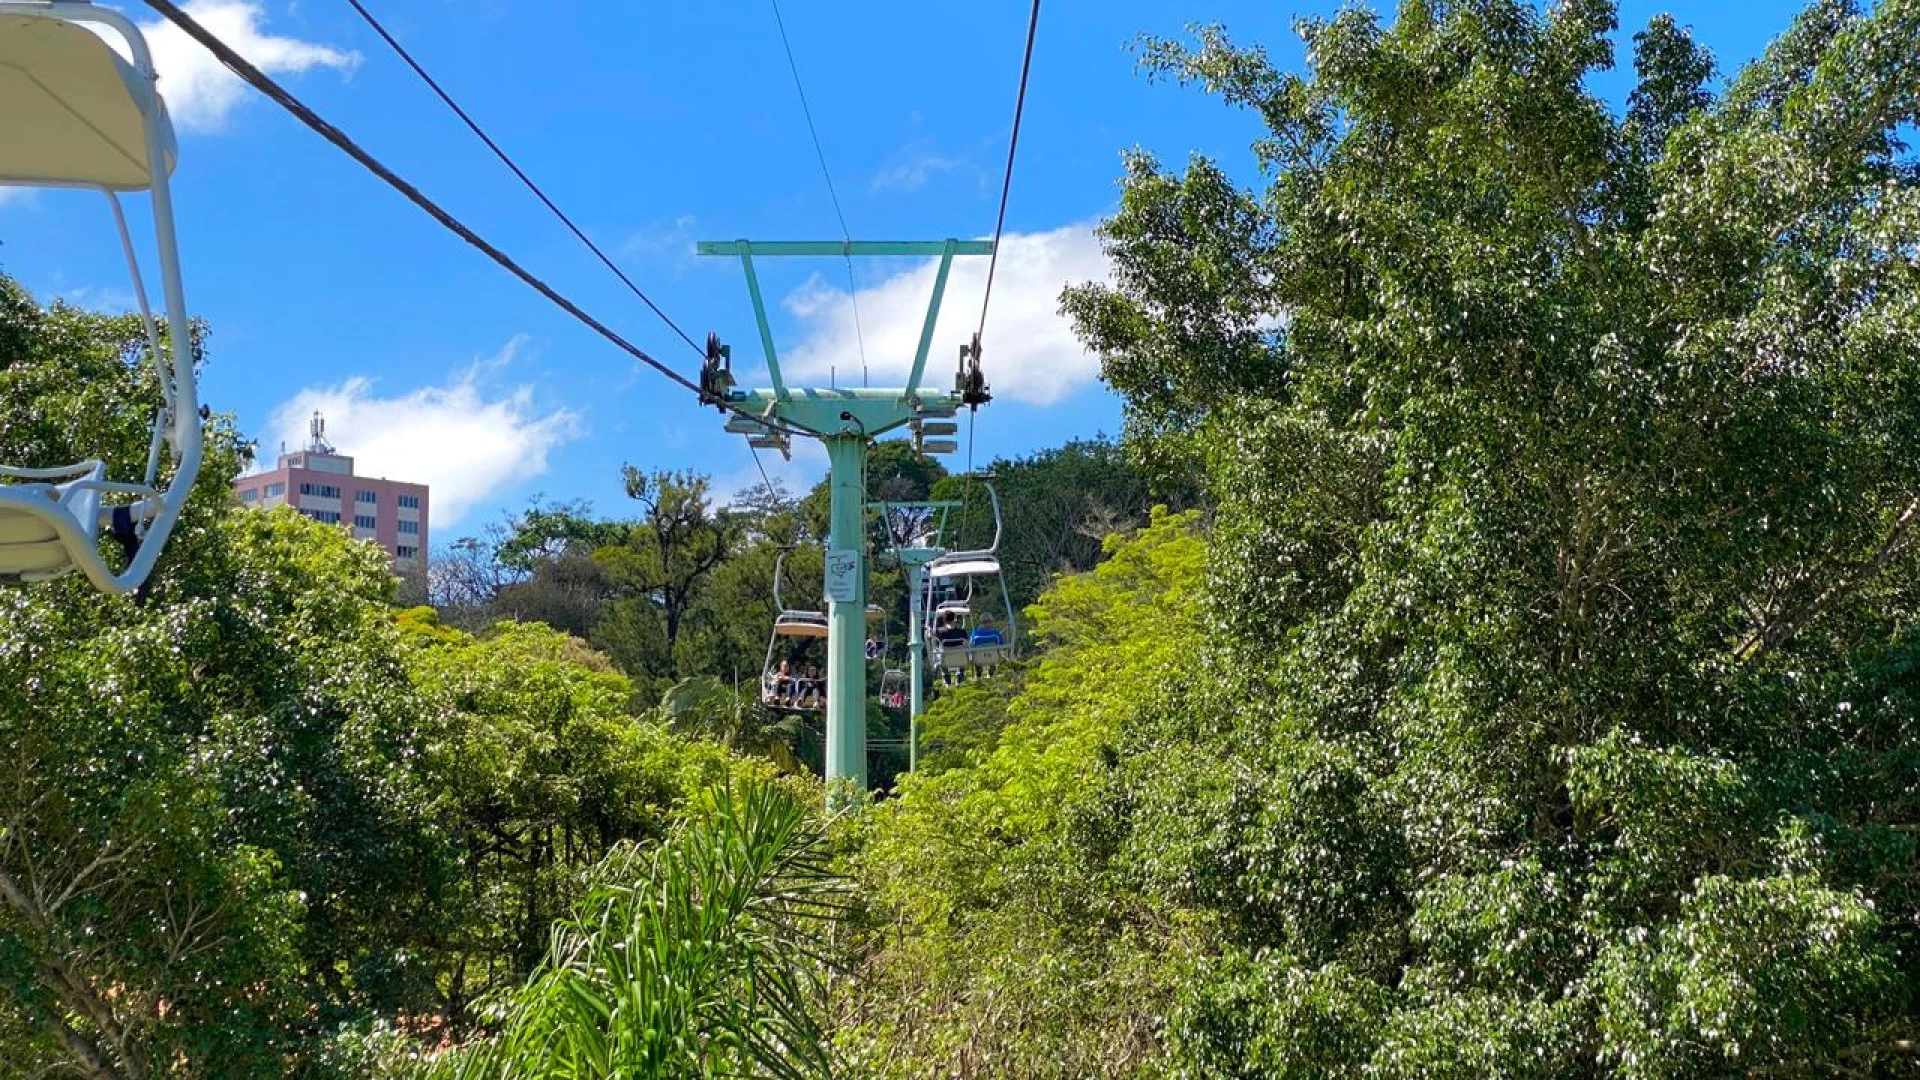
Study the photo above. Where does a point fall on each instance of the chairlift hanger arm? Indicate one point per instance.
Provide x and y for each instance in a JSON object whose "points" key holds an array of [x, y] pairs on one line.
{"points": [[998, 523]]}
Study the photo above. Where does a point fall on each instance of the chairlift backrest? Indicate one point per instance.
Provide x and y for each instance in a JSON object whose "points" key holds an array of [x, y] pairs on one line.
{"points": [[78, 113], [973, 565], [806, 624]]}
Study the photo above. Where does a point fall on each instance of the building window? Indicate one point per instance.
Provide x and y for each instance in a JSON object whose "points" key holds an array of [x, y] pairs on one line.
{"points": [[321, 491], [363, 521], [274, 491], [411, 502], [411, 528], [325, 517], [406, 551], [368, 497], [249, 495]]}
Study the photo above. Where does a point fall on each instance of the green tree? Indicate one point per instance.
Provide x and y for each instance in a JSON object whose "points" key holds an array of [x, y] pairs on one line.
{"points": [[1057, 507], [259, 822], [211, 844], [1003, 938], [703, 707], [657, 568], [542, 772], [1564, 577]]}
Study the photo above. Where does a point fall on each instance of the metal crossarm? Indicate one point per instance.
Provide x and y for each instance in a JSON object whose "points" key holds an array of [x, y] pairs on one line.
{"points": [[745, 250]]}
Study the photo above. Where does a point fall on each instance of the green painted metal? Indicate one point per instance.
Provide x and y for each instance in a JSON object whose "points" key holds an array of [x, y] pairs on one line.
{"points": [[827, 410], [915, 560], [847, 420], [933, 316], [847, 619], [766, 328], [916, 660], [825, 248]]}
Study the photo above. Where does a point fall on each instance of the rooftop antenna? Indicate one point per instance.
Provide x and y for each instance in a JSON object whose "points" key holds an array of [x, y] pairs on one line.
{"points": [[317, 429]]}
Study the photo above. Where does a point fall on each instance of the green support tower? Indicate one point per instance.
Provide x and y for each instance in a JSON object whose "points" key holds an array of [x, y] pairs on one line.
{"points": [[926, 523], [847, 421]]}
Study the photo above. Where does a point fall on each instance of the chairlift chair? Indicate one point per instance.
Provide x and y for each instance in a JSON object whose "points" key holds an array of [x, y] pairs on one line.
{"points": [[75, 112], [893, 689], [960, 642], [877, 644], [791, 625]]}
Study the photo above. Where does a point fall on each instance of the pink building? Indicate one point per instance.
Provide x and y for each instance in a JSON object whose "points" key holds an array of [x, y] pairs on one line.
{"points": [[320, 484]]}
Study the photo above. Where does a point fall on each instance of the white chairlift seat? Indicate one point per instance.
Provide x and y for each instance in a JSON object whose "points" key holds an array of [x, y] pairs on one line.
{"points": [[74, 112], [43, 518], [969, 657], [791, 698], [980, 648], [893, 689]]}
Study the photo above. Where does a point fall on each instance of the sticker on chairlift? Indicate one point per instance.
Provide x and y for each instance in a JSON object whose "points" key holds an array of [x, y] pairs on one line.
{"points": [[843, 576]]}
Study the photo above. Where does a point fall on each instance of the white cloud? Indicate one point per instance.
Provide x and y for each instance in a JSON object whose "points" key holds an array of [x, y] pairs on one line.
{"points": [[199, 90], [671, 237], [1031, 352], [466, 439], [913, 166], [99, 298]]}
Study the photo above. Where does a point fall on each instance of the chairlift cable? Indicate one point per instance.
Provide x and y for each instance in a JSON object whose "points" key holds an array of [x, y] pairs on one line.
{"points": [[853, 290], [1013, 144], [474, 127], [264, 83], [764, 478]]}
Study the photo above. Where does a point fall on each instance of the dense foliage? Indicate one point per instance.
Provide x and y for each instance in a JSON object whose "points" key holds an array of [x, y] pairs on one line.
{"points": [[681, 597], [261, 807], [1557, 710], [1005, 936]]}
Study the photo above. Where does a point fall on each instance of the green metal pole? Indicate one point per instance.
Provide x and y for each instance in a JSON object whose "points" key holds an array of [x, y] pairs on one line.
{"points": [[847, 622], [917, 658]]}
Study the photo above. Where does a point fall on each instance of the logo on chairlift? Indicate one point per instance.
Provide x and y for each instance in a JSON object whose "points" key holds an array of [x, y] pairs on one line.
{"points": [[843, 576]]}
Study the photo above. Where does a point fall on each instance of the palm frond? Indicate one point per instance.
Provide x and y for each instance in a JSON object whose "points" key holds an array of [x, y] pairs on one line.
{"points": [[696, 961]]}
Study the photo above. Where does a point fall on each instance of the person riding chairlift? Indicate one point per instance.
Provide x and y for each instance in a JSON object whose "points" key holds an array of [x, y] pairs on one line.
{"points": [[949, 633], [985, 636], [783, 684], [811, 692]]}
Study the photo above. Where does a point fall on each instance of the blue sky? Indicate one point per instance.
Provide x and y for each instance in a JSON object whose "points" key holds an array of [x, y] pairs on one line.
{"points": [[655, 125]]}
